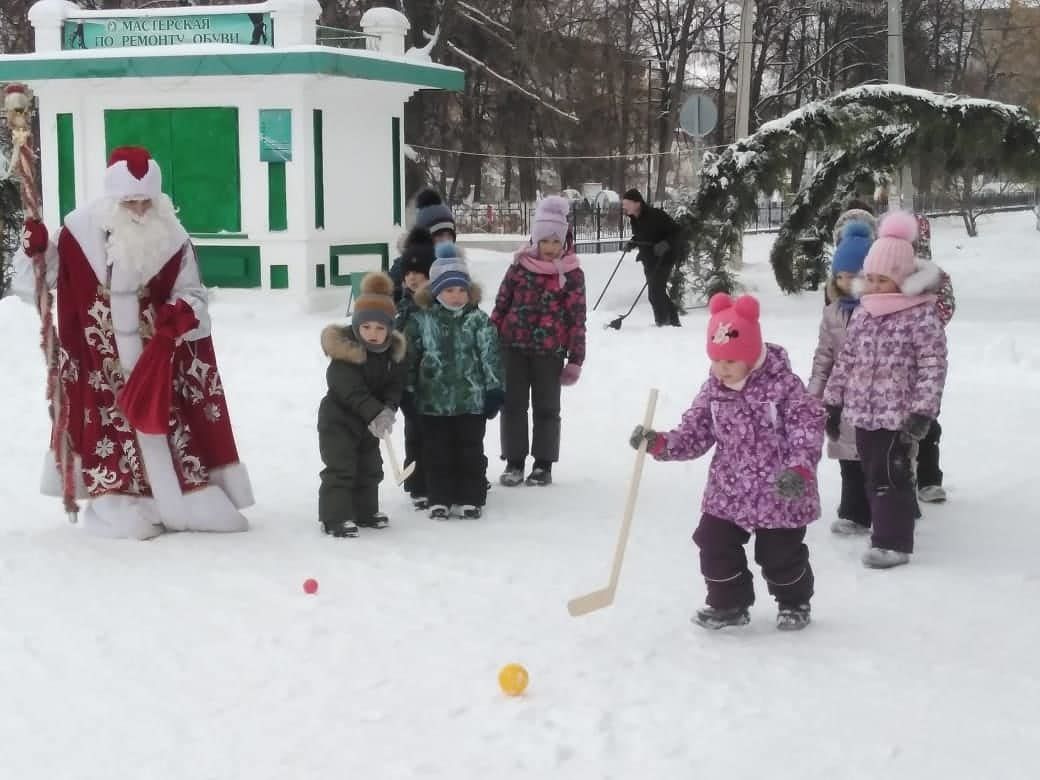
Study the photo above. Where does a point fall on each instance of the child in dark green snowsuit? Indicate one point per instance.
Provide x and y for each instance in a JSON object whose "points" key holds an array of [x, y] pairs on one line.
{"points": [[366, 377]]}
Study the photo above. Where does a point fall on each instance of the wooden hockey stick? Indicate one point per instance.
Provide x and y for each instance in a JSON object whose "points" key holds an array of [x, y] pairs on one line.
{"points": [[598, 599], [400, 475]]}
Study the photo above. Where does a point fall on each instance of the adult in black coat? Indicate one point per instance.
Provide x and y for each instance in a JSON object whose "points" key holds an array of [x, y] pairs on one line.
{"points": [[656, 237]]}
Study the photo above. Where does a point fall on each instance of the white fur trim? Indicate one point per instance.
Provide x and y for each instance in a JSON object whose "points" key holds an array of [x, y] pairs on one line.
{"points": [[926, 278], [234, 480], [116, 516], [203, 509], [859, 286], [121, 184]]}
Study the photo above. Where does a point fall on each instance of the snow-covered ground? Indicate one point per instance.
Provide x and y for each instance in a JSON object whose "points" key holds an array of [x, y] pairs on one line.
{"points": [[197, 657]]}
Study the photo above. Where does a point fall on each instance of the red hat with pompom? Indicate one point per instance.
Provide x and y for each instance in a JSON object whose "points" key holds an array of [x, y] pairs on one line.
{"points": [[132, 174], [733, 330]]}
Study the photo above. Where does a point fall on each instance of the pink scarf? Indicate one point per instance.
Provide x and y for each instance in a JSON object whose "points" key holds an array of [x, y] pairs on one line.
{"points": [[529, 259], [882, 304]]}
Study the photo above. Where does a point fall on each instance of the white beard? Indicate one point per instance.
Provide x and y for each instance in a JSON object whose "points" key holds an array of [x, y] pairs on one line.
{"points": [[144, 243]]}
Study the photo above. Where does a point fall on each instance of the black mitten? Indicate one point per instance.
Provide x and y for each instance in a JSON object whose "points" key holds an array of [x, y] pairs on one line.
{"points": [[833, 423]]}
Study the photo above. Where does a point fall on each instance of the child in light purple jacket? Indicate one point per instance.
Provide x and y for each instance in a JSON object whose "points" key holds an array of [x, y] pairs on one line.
{"points": [[846, 264], [888, 383], [768, 435]]}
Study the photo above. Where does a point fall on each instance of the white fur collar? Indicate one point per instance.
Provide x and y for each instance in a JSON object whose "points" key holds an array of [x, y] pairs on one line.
{"points": [[926, 278]]}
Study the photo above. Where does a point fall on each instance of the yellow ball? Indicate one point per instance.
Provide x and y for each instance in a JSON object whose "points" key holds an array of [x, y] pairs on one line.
{"points": [[512, 678]]}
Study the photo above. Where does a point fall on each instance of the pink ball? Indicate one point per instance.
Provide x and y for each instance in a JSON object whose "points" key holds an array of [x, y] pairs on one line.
{"points": [[310, 586]]}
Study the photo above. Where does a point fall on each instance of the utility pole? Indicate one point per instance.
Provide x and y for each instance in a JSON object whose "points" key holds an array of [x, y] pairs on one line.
{"points": [[897, 75], [745, 48], [744, 51]]}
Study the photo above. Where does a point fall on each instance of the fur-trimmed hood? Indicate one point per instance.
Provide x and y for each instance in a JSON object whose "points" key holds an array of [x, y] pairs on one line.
{"points": [[424, 297], [340, 343], [927, 277]]}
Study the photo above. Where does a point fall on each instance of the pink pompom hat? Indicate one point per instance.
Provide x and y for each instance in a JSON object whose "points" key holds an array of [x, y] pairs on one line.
{"points": [[550, 219], [892, 255], [733, 330]]}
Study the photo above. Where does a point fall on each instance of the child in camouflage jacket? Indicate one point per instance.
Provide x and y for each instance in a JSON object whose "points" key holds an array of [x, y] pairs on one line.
{"points": [[455, 385]]}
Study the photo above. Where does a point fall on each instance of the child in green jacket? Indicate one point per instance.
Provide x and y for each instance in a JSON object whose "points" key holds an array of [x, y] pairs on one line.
{"points": [[366, 377], [455, 383]]}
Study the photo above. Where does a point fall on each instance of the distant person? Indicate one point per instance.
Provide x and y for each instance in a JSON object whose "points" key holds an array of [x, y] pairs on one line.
{"points": [[656, 236]]}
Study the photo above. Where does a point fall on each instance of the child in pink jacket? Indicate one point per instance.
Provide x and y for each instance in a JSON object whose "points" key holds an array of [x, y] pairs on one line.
{"points": [[767, 432], [888, 383]]}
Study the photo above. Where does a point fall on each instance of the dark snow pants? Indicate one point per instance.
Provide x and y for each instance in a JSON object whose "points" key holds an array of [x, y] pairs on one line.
{"points": [[453, 456], [413, 446], [928, 471], [888, 472], [781, 552], [854, 505], [349, 488], [531, 380], [658, 270]]}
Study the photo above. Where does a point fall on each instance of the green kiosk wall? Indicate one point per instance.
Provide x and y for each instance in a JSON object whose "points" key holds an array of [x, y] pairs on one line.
{"points": [[198, 151]]}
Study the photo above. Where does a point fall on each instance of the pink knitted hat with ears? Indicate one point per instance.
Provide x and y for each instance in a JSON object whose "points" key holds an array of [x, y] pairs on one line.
{"points": [[733, 330], [892, 255]]}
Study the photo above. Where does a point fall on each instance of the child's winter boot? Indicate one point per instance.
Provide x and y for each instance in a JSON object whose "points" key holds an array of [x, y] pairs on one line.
{"points": [[439, 512], [878, 558], [710, 617], [378, 520], [513, 475], [340, 530], [845, 527], [792, 617], [541, 474]]}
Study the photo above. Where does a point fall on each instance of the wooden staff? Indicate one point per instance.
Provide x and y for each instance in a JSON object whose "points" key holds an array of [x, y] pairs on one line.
{"points": [[18, 110]]}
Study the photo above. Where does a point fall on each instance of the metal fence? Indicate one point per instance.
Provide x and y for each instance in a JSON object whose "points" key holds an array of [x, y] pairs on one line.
{"points": [[605, 228]]}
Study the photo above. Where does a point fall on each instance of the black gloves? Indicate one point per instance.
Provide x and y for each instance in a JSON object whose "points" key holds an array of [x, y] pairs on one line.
{"points": [[833, 427]]}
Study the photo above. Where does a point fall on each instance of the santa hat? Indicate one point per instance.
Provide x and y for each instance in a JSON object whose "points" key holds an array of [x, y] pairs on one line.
{"points": [[550, 219], [892, 255], [375, 304], [132, 174], [733, 330]]}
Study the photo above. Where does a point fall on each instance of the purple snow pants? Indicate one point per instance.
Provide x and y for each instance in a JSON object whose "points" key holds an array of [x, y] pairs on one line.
{"points": [[888, 471], [781, 552]]}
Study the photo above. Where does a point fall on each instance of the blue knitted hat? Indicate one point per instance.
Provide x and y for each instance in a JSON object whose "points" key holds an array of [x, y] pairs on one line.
{"points": [[849, 255], [448, 270]]}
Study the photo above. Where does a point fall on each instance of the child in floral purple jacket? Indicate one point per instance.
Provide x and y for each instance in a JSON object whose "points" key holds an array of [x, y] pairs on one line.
{"points": [[540, 316], [888, 383], [768, 435]]}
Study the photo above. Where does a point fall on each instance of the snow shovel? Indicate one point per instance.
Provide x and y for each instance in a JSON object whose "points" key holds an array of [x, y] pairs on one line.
{"points": [[598, 599], [400, 475], [617, 321], [607, 285]]}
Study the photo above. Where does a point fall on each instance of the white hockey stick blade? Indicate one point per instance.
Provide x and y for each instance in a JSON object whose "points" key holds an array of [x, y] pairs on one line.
{"points": [[590, 602], [400, 475], [407, 472], [598, 599]]}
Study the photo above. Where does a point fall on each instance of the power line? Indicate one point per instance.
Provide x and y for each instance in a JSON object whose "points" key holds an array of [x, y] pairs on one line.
{"points": [[634, 156]]}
